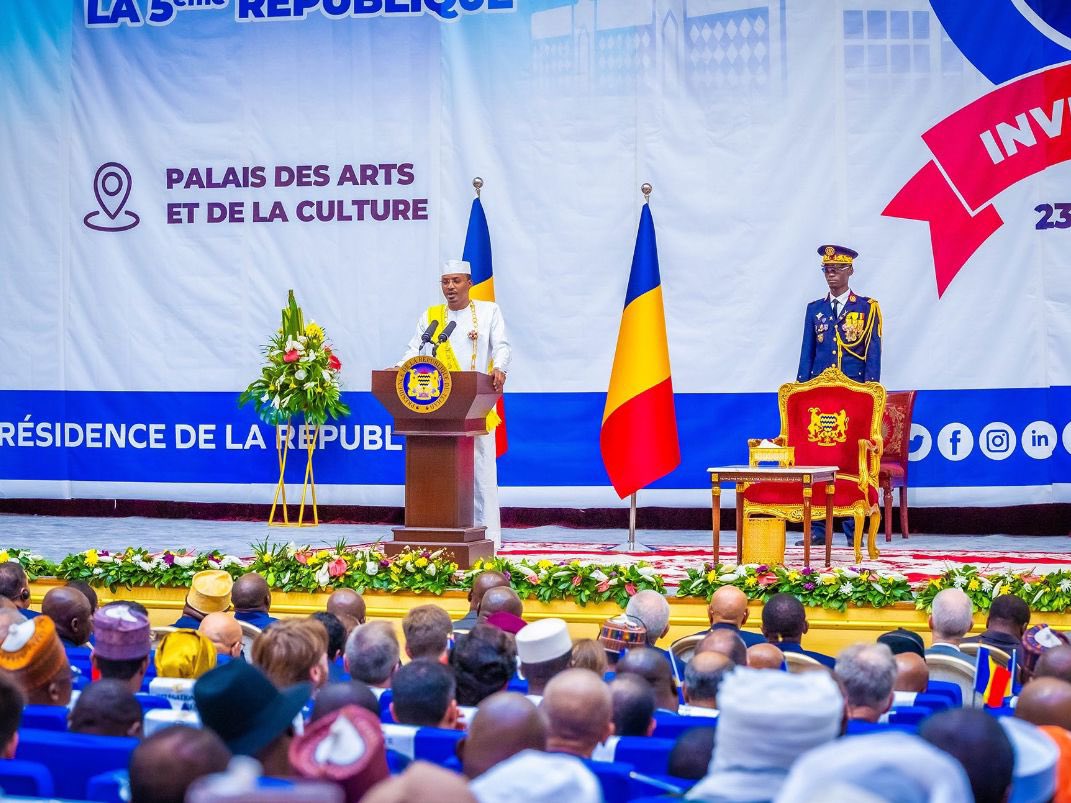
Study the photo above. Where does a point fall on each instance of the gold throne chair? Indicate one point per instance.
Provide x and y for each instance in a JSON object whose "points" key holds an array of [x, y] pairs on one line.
{"points": [[828, 421]]}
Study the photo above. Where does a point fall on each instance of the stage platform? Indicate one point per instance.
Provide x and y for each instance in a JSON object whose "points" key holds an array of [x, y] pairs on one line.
{"points": [[919, 557]]}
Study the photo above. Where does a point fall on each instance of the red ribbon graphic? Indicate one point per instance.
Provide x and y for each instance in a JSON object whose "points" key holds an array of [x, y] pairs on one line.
{"points": [[979, 151]]}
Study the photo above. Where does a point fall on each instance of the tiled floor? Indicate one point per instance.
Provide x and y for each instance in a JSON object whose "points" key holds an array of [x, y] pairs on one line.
{"points": [[55, 537]]}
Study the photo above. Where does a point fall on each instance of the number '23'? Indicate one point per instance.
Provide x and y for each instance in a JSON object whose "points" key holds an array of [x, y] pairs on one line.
{"points": [[1062, 212]]}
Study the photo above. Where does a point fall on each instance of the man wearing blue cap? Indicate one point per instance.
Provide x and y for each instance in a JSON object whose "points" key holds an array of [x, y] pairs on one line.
{"points": [[843, 328]]}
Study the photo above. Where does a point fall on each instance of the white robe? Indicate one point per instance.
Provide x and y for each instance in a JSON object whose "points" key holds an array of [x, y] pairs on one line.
{"points": [[492, 347]]}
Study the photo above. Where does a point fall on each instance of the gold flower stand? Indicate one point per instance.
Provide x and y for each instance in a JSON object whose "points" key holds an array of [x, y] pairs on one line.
{"points": [[279, 504]]}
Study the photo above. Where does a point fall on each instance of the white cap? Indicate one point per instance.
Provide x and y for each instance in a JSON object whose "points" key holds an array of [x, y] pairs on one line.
{"points": [[534, 777], [456, 266], [543, 640], [1036, 755]]}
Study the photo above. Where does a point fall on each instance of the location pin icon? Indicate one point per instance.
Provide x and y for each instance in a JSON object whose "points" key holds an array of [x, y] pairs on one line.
{"points": [[111, 185]]}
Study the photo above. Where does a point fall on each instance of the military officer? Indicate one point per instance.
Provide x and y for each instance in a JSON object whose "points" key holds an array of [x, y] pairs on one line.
{"points": [[842, 329]]}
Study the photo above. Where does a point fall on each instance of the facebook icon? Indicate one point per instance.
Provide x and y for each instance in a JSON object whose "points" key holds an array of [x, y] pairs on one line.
{"points": [[955, 441]]}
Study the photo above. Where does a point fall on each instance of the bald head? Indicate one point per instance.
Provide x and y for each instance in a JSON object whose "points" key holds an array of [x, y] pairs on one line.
{"points": [[728, 605], [652, 666], [500, 598], [765, 656], [72, 612], [251, 593], [483, 583], [912, 673], [347, 602], [1045, 701], [505, 724], [579, 711], [728, 643], [703, 676], [223, 630], [1055, 663]]}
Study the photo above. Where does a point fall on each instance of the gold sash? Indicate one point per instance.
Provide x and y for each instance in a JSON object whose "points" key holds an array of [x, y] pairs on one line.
{"points": [[446, 354]]}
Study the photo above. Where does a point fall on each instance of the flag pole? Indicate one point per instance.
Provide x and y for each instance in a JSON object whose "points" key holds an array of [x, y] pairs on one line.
{"points": [[645, 188], [477, 184]]}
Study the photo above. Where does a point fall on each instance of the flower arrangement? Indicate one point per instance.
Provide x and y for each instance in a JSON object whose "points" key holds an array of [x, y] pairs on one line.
{"points": [[830, 588], [136, 566], [546, 580], [34, 565], [301, 375], [1046, 593]]}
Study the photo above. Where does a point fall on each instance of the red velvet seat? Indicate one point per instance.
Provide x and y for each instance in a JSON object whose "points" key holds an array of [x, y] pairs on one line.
{"points": [[828, 421], [896, 432]]}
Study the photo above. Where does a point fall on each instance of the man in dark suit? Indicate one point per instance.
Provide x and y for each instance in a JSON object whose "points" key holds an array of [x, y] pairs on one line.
{"points": [[728, 611], [842, 329], [784, 621], [1004, 626]]}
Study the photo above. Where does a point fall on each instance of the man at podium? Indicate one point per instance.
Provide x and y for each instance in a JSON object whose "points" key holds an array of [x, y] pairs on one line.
{"points": [[470, 335]]}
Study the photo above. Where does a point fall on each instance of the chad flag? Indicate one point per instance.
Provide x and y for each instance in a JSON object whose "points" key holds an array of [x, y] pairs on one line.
{"points": [[992, 681], [478, 255], [639, 425]]}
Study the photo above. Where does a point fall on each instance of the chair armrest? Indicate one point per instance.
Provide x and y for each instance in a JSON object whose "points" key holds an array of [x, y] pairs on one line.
{"points": [[753, 442], [869, 461]]}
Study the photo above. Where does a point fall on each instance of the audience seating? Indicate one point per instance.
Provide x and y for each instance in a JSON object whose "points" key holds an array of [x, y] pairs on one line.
{"points": [[74, 758], [384, 706], [670, 726], [896, 434], [150, 701], [617, 786], [45, 717], [109, 787], [647, 754], [178, 691], [160, 718], [947, 670], [909, 715], [26, 779], [684, 648], [948, 689], [798, 662], [436, 745]]}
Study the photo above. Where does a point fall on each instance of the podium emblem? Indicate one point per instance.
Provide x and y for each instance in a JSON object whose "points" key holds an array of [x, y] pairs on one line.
{"points": [[423, 384]]}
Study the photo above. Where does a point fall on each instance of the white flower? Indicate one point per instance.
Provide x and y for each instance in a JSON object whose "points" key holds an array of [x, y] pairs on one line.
{"points": [[372, 568], [106, 559], [290, 549], [726, 578], [431, 570], [959, 581], [302, 339], [996, 590], [646, 571], [231, 560], [846, 589], [308, 386], [184, 561], [300, 374], [327, 374], [986, 585], [323, 577], [275, 402], [97, 571], [1065, 586], [409, 567], [598, 575], [851, 574]]}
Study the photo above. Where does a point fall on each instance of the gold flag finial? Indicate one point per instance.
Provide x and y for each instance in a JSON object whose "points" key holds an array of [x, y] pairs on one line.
{"points": [[646, 188], [477, 183]]}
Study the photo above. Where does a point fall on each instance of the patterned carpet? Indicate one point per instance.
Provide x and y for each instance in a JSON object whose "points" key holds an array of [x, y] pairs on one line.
{"points": [[916, 564]]}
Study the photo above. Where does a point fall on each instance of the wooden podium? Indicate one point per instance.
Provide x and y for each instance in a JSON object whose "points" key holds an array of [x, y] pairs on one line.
{"points": [[439, 463]]}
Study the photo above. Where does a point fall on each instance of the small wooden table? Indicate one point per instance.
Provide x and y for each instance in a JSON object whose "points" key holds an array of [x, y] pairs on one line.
{"points": [[807, 476]]}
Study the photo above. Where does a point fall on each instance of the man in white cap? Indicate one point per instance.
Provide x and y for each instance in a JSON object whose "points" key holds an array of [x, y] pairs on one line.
{"points": [[544, 649], [766, 721], [477, 342]]}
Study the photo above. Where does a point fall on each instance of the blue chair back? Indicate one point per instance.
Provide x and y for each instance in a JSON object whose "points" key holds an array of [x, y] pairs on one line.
{"points": [[109, 787], [670, 726], [384, 706], [74, 758], [647, 754], [857, 727], [25, 779], [614, 780], [948, 689], [436, 745], [934, 702], [519, 685], [45, 717], [150, 701], [397, 762], [910, 715]]}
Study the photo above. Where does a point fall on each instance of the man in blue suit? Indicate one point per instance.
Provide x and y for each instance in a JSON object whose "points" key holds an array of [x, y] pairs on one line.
{"points": [[843, 329]]}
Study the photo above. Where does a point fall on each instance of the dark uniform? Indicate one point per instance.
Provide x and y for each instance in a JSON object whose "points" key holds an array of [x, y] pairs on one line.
{"points": [[852, 343]]}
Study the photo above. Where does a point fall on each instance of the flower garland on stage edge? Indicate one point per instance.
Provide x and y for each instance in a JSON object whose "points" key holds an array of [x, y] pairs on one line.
{"points": [[293, 568]]}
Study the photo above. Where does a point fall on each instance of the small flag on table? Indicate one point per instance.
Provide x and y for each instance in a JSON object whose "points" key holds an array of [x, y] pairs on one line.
{"points": [[478, 254], [991, 680], [639, 423]]}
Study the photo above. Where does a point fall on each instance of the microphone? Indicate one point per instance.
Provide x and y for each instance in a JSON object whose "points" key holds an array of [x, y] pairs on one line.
{"points": [[443, 336], [426, 337]]}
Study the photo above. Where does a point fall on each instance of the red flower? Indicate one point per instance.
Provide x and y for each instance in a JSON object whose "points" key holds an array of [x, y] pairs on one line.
{"points": [[337, 567], [334, 362], [291, 356], [630, 589], [768, 579], [577, 580], [302, 558], [605, 584]]}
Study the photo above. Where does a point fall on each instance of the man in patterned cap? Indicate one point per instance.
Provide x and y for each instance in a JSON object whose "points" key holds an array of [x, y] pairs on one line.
{"points": [[210, 592], [123, 643], [33, 656]]}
